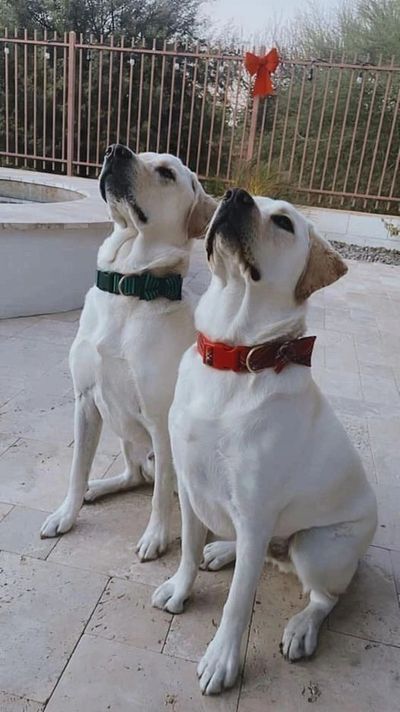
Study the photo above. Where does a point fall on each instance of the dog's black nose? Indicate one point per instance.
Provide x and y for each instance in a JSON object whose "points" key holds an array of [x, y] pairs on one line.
{"points": [[238, 196], [118, 151]]}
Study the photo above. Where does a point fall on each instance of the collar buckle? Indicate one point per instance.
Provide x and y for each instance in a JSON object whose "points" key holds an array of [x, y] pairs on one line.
{"points": [[248, 357]]}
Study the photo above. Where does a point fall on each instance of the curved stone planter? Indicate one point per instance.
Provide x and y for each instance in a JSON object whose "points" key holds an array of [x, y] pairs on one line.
{"points": [[48, 249]]}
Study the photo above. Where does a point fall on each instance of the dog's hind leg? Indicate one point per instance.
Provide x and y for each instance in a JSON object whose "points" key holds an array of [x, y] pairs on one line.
{"points": [[217, 554], [134, 454], [87, 428], [325, 559]]}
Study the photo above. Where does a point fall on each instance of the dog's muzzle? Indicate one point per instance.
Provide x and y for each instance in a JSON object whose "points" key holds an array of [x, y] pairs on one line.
{"points": [[117, 159]]}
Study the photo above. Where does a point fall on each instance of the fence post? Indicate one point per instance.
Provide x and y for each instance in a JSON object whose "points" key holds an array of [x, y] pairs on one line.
{"points": [[254, 115], [71, 102], [253, 128]]}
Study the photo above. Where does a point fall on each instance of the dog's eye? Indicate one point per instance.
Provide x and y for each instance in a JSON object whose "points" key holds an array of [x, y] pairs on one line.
{"points": [[165, 172], [284, 222]]}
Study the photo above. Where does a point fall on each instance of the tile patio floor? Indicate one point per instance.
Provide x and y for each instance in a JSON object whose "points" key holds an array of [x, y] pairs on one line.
{"points": [[77, 630]]}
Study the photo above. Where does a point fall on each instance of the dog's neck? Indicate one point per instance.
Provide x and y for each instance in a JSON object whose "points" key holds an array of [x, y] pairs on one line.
{"points": [[242, 314], [127, 251]]}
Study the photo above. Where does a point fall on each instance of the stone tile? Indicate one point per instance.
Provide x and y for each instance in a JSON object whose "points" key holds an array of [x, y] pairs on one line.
{"points": [[385, 437], [357, 430], [57, 380], [6, 441], [388, 530], [369, 608], [35, 474], [14, 703], [124, 613], [52, 331], [40, 416], [105, 536], [338, 382], [336, 679], [26, 359], [44, 610], [378, 388], [395, 559], [347, 324], [342, 357], [19, 533], [14, 327], [10, 386], [106, 675], [191, 632], [5, 509], [73, 315]]}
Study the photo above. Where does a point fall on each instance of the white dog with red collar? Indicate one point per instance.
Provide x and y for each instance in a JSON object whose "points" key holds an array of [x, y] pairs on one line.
{"points": [[259, 453]]}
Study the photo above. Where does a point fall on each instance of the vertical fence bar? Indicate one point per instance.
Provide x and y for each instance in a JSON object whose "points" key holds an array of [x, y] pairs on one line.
{"points": [[234, 116], [365, 142], [78, 130], [171, 101], [343, 129], [89, 59], [221, 134], [378, 133], [64, 97], [6, 53], [110, 81], [389, 142], [139, 113], [129, 111], [44, 98], [353, 139], [321, 121], [16, 96], [53, 121], [203, 104], [211, 132], [296, 129], [120, 81], [274, 121], [99, 89], [71, 102], [192, 103], [310, 114], [178, 146], [285, 125], [160, 101], [25, 97], [150, 104], [333, 118]]}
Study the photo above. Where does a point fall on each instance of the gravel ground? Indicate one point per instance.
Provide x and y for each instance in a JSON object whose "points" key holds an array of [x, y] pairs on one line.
{"points": [[367, 254]]}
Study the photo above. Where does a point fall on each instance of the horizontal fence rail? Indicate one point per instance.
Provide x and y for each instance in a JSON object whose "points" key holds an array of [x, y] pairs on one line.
{"points": [[331, 131]]}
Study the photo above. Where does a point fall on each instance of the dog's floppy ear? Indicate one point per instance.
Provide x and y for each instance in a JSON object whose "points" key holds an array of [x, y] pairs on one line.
{"points": [[324, 266], [202, 210]]}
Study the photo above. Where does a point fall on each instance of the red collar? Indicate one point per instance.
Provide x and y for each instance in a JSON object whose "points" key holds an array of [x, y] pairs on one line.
{"points": [[251, 359]]}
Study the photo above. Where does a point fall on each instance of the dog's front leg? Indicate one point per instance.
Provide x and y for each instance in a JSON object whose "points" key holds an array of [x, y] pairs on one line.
{"points": [[172, 594], [154, 541], [87, 428], [219, 667]]}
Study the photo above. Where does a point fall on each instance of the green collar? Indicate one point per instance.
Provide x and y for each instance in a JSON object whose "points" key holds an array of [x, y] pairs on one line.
{"points": [[145, 285]]}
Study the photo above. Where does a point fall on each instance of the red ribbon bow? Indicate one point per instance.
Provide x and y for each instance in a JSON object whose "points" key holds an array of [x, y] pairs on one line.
{"points": [[262, 68]]}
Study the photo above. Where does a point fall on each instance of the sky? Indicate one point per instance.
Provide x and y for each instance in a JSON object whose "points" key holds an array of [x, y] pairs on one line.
{"points": [[252, 16]]}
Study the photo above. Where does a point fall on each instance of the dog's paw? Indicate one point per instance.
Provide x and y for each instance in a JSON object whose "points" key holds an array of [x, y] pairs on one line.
{"points": [[300, 637], [153, 543], [218, 554], [94, 491], [59, 522], [219, 666], [170, 596]]}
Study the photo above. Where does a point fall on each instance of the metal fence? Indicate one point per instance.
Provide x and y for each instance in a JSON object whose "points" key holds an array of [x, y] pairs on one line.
{"points": [[332, 129]]}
